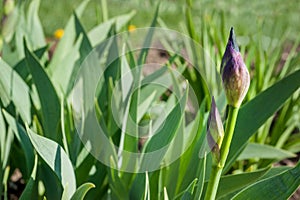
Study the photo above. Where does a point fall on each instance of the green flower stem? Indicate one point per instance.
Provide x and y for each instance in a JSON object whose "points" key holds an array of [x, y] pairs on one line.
{"points": [[218, 167], [213, 182], [1, 179]]}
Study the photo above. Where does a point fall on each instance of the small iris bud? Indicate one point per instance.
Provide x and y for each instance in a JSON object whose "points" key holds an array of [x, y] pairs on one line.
{"points": [[235, 75], [215, 131]]}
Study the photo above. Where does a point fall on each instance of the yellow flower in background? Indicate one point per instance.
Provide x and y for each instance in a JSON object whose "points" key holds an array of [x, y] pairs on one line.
{"points": [[1, 43], [59, 33], [131, 28]]}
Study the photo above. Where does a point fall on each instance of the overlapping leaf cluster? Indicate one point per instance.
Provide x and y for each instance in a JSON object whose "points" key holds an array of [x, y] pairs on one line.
{"points": [[38, 135]]}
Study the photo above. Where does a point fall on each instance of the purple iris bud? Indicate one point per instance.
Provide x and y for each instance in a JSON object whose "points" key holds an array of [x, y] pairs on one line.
{"points": [[215, 130], [235, 75]]}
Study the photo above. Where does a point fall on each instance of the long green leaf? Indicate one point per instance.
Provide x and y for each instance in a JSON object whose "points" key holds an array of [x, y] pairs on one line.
{"points": [[61, 75], [13, 88], [232, 183], [257, 111], [50, 181], [254, 150], [270, 173], [278, 187], [50, 106], [165, 134], [190, 158], [7, 148], [160, 140], [148, 39], [201, 178], [127, 142], [34, 27], [56, 158], [21, 68], [84, 50], [84, 163], [66, 43], [23, 138], [64, 75], [2, 140], [30, 191], [147, 187], [100, 32]]}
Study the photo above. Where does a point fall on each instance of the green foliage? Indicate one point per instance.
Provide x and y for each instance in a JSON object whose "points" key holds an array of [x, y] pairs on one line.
{"points": [[39, 135], [81, 191], [57, 159], [285, 183]]}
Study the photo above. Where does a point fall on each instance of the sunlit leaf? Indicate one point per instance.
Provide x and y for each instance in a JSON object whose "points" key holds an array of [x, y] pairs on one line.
{"points": [[56, 159], [13, 88], [100, 32], [66, 43]]}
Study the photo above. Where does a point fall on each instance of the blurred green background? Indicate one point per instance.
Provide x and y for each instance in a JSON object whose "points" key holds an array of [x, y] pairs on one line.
{"points": [[245, 16]]}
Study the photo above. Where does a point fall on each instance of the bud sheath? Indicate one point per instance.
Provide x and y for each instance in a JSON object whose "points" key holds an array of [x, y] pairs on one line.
{"points": [[215, 131]]}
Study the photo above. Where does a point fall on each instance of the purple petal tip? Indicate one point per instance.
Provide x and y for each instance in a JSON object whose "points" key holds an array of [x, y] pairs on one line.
{"points": [[232, 40]]}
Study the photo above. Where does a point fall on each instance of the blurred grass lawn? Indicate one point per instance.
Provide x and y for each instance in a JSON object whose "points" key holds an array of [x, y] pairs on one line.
{"points": [[246, 16], [54, 14]]}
